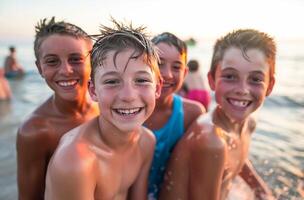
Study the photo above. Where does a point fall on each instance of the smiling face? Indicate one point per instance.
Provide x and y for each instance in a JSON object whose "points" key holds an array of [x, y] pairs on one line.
{"points": [[172, 68], [126, 91], [65, 65], [240, 84]]}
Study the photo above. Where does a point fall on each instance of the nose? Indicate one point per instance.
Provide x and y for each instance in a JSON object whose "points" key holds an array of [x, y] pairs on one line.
{"points": [[128, 92], [66, 68], [166, 71], [242, 88]]}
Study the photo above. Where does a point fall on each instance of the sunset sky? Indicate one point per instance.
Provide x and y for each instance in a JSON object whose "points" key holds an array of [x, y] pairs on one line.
{"points": [[197, 18]]}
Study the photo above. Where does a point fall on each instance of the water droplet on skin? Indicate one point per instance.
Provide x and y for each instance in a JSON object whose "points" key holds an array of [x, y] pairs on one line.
{"points": [[190, 135]]}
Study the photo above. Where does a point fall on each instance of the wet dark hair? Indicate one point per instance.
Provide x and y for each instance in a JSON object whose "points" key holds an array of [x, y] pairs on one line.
{"points": [[12, 49], [45, 28], [119, 38], [244, 39], [173, 40]]}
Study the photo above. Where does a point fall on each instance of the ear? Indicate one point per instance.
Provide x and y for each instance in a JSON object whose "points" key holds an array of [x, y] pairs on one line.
{"points": [[186, 71], [38, 67], [91, 88], [270, 85], [159, 86], [211, 81]]}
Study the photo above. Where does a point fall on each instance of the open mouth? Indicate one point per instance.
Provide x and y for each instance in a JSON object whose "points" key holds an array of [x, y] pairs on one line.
{"points": [[127, 112], [68, 83], [239, 103], [167, 85]]}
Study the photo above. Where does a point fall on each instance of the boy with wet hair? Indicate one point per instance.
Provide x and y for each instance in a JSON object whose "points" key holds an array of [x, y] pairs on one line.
{"points": [[109, 157], [215, 149], [63, 61], [173, 114]]}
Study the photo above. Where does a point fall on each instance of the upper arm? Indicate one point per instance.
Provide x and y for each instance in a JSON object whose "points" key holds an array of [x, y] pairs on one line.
{"points": [[74, 179], [192, 111], [138, 191], [208, 154], [32, 153]]}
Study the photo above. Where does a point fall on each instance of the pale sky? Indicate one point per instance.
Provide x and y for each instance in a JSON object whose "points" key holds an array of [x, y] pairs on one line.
{"points": [[197, 18]]}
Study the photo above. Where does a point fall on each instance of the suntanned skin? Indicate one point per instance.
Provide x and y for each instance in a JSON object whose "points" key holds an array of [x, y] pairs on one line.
{"points": [[109, 157], [215, 148], [67, 108]]}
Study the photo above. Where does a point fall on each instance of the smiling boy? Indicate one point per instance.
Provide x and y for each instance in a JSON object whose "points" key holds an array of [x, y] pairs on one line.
{"points": [[215, 149], [63, 61], [109, 157]]}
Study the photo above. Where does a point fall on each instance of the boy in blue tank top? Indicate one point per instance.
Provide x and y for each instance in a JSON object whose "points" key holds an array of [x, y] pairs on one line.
{"points": [[172, 114]]}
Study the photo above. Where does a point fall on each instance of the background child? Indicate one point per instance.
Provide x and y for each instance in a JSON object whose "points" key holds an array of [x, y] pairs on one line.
{"points": [[195, 85], [173, 114], [215, 149], [109, 157], [12, 68], [62, 58]]}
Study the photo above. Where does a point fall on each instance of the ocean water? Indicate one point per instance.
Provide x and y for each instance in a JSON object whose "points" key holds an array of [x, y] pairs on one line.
{"points": [[277, 148]]}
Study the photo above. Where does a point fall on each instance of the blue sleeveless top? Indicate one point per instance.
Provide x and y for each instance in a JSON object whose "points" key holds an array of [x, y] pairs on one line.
{"points": [[166, 138]]}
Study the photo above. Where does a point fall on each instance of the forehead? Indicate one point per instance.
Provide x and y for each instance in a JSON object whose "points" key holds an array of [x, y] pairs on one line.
{"points": [[170, 52], [253, 59], [123, 61], [63, 44]]}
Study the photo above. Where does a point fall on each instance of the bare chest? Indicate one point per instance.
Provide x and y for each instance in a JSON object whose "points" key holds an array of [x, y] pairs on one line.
{"points": [[116, 176], [237, 153]]}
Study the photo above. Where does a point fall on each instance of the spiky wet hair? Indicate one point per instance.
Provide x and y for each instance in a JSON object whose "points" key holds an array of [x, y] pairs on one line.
{"points": [[45, 28], [244, 39], [119, 38]]}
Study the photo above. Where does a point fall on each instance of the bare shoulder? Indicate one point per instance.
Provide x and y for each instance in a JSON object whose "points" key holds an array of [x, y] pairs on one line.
{"points": [[204, 136], [147, 141], [147, 137], [192, 110], [72, 158], [35, 131], [73, 169]]}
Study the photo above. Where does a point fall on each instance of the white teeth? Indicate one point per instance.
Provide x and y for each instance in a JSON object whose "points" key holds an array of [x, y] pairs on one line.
{"points": [[67, 83], [167, 84], [128, 111], [239, 103]]}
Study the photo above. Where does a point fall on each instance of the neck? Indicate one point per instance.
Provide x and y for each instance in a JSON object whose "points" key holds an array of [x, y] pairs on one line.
{"points": [[229, 125], [114, 138], [78, 107], [164, 103]]}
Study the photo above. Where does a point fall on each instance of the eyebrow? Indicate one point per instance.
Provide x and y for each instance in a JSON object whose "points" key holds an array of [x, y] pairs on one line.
{"points": [[117, 73]]}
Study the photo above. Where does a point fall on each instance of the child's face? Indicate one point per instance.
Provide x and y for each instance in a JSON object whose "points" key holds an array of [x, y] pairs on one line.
{"points": [[65, 65], [241, 85], [172, 68], [126, 93]]}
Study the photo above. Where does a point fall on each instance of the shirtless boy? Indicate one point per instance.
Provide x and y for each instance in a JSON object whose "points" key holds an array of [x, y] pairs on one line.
{"points": [[109, 157], [11, 66], [62, 58], [215, 149], [173, 114]]}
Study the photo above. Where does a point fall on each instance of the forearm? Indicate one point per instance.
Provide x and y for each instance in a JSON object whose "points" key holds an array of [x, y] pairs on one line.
{"points": [[255, 182]]}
